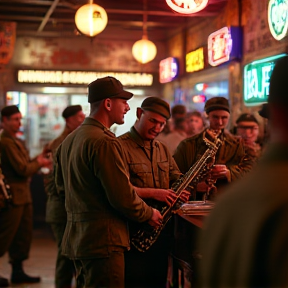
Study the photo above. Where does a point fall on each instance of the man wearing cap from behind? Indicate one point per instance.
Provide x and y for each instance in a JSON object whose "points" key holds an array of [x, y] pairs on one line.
{"points": [[99, 198], [244, 241], [16, 220], [231, 161], [55, 207], [152, 170]]}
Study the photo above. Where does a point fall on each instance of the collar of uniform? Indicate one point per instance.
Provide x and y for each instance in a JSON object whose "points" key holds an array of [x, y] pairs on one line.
{"points": [[137, 138], [94, 122]]}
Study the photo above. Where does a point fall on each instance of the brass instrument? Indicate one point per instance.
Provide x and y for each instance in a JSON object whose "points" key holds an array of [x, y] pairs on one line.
{"points": [[5, 192], [144, 238]]}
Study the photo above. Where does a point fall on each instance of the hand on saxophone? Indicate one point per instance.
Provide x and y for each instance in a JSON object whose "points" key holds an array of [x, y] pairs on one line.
{"points": [[156, 219], [220, 171]]}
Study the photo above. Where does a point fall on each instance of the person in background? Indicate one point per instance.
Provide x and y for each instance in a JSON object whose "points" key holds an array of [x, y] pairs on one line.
{"points": [[152, 170], [178, 134], [99, 198], [247, 127], [244, 240], [231, 161], [16, 221], [55, 207], [195, 123]]}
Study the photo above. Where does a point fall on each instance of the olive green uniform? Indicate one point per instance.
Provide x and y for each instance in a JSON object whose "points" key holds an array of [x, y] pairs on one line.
{"points": [[56, 216], [150, 165], [98, 199], [17, 220], [244, 240], [231, 153]]}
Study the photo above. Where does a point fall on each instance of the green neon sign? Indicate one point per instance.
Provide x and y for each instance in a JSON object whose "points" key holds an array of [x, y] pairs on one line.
{"points": [[278, 18], [257, 80]]}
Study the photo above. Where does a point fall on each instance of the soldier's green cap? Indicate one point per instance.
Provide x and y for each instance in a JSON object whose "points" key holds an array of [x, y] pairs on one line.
{"points": [[71, 110], [217, 103], [157, 105]]}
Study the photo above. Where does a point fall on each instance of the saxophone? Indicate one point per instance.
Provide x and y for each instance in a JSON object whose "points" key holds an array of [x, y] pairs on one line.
{"points": [[144, 238]]}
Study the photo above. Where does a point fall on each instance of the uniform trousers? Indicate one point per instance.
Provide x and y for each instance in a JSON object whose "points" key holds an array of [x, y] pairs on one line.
{"points": [[64, 266], [101, 272], [16, 224]]}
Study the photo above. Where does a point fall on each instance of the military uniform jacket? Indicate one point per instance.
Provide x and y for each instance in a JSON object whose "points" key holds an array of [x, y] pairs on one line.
{"points": [[244, 241], [98, 195], [55, 206], [231, 153], [156, 172], [17, 168]]}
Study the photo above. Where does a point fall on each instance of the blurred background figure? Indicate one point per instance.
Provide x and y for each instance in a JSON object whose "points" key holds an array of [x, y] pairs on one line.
{"points": [[247, 127], [195, 123], [56, 214], [244, 240]]}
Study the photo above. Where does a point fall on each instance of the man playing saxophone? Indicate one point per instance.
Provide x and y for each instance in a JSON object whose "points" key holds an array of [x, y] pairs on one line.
{"points": [[231, 161], [152, 171]]}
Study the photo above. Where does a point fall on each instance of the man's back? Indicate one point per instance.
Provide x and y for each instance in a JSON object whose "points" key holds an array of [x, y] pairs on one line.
{"points": [[249, 219]]}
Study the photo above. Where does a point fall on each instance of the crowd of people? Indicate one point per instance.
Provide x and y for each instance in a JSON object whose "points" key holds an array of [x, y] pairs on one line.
{"points": [[102, 188]]}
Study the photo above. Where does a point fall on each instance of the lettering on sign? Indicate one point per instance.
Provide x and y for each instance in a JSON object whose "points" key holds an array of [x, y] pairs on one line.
{"points": [[257, 80], [168, 69], [195, 60]]}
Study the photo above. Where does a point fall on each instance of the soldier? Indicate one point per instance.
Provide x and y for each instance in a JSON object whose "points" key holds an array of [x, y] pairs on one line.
{"points": [[231, 160], [16, 220], [98, 195], [151, 170], [55, 207]]}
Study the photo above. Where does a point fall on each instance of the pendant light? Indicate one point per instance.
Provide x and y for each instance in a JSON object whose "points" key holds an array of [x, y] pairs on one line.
{"points": [[91, 19], [144, 50], [187, 6]]}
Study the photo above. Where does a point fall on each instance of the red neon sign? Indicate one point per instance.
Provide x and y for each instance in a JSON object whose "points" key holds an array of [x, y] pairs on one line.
{"points": [[187, 6], [219, 46]]}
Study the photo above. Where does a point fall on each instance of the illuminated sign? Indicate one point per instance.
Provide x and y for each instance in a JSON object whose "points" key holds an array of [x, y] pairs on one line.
{"points": [[224, 45], [81, 77], [168, 69], [195, 60], [257, 80], [199, 99], [187, 6], [278, 18]]}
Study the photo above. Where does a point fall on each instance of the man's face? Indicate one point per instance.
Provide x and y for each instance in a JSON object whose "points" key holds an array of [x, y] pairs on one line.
{"points": [[150, 124], [12, 123], [195, 125], [119, 107], [76, 120], [218, 119], [249, 131]]}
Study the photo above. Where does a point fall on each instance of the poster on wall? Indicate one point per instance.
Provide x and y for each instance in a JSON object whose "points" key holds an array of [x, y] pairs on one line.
{"points": [[7, 41], [257, 80]]}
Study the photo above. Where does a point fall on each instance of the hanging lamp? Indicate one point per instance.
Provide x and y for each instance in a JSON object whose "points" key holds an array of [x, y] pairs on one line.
{"points": [[91, 19], [144, 50], [187, 6]]}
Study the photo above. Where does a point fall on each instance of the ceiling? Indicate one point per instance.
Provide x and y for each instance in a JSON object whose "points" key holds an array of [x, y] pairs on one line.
{"points": [[55, 18]]}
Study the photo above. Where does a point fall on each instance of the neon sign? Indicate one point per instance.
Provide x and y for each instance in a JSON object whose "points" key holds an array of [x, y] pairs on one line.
{"points": [[195, 60], [224, 45], [187, 6], [82, 77], [257, 80], [278, 18], [168, 69]]}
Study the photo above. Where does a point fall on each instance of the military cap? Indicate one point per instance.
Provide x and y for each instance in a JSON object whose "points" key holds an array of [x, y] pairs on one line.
{"points": [[9, 110], [263, 112], [107, 87], [156, 105], [217, 103], [178, 110], [278, 89], [71, 110], [246, 117]]}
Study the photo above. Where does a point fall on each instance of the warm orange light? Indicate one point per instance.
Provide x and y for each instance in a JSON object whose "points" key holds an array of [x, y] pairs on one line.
{"points": [[144, 50], [187, 6], [91, 19]]}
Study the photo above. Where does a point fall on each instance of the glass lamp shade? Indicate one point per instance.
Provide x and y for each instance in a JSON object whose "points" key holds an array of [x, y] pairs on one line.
{"points": [[91, 19], [144, 50], [187, 6]]}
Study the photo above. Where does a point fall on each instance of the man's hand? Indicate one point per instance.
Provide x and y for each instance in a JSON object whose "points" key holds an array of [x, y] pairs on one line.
{"points": [[165, 195], [156, 219], [43, 160], [219, 171]]}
